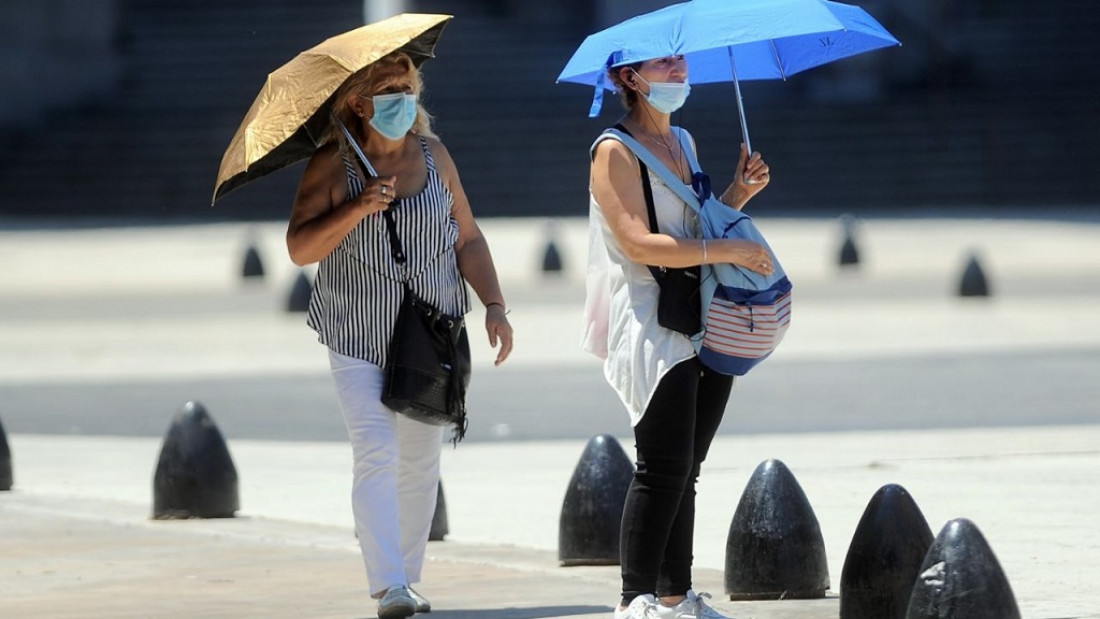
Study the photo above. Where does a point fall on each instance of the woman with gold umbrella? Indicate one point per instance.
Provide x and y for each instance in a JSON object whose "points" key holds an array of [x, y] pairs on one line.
{"points": [[346, 220], [337, 221]]}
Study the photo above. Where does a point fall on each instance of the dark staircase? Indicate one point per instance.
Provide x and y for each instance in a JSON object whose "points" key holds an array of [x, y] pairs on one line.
{"points": [[190, 71], [988, 104]]}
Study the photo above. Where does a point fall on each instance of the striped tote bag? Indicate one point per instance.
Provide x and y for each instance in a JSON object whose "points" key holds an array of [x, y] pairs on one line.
{"points": [[745, 314]]}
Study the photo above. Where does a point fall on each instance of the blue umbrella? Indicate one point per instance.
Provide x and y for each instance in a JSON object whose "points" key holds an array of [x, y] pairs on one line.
{"points": [[730, 40]]}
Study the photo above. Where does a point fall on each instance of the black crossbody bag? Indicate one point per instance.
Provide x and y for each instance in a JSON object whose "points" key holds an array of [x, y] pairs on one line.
{"points": [[428, 365], [679, 306]]}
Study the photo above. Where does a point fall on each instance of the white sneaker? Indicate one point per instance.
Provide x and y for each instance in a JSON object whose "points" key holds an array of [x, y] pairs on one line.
{"points": [[641, 607], [702, 609], [693, 607], [396, 604], [422, 603]]}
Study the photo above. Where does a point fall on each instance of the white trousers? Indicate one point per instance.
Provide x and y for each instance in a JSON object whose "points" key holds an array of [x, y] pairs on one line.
{"points": [[396, 476]]}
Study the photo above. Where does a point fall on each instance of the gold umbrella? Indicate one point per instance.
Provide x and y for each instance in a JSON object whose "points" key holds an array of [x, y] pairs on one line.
{"points": [[288, 119]]}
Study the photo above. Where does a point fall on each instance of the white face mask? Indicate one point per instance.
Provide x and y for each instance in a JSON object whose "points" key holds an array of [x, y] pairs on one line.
{"points": [[666, 97]]}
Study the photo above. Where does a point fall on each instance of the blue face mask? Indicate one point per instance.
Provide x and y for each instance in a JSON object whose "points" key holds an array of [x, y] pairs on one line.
{"points": [[666, 97], [394, 114]]}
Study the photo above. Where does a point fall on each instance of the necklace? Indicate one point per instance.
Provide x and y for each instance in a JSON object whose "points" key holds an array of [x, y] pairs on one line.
{"points": [[667, 144], [655, 138], [672, 147]]}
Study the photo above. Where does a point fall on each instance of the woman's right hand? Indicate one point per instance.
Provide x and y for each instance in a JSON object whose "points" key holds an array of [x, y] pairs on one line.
{"points": [[750, 255], [377, 195]]}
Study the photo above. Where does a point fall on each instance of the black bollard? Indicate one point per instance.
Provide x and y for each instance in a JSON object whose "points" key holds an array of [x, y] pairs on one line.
{"points": [[973, 283], [849, 253], [300, 293], [440, 528], [195, 476], [961, 578], [775, 549], [884, 558], [551, 260], [253, 267], [6, 478], [592, 513]]}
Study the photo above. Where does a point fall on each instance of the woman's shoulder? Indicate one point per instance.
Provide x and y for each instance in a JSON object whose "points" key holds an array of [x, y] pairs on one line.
{"points": [[442, 157], [609, 151], [326, 157], [325, 165], [607, 143], [436, 146], [328, 150]]}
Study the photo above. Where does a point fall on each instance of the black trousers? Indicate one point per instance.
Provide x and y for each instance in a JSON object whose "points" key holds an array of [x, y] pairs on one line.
{"points": [[672, 440]]}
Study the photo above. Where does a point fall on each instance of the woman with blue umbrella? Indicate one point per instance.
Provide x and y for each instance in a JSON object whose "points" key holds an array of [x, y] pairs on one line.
{"points": [[646, 246], [675, 403]]}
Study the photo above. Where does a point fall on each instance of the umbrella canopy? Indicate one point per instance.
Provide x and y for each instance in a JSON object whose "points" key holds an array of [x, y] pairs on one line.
{"points": [[730, 40], [289, 118]]}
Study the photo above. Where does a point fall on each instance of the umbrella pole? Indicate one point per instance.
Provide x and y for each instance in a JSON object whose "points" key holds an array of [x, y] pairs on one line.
{"points": [[354, 145], [740, 106]]}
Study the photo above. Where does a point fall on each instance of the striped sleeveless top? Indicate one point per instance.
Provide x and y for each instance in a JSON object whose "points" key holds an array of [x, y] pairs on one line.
{"points": [[359, 288]]}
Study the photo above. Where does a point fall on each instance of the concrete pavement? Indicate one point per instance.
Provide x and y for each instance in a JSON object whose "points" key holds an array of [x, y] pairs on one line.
{"points": [[105, 305], [78, 540]]}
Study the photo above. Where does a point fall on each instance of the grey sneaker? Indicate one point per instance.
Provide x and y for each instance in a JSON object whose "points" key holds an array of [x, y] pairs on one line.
{"points": [[396, 604], [422, 603]]}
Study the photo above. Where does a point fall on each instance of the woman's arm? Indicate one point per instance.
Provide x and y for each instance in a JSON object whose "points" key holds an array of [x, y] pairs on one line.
{"points": [[322, 215], [617, 185], [475, 262]]}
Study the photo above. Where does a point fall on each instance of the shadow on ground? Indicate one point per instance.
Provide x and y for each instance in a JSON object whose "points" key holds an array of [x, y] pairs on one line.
{"points": [[541, 612]]}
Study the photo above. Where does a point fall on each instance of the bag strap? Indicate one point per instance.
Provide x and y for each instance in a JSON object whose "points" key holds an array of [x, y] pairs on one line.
{"points": [[688, 148], [659, 168], [700, 181], [397, 250], [647, 188]]}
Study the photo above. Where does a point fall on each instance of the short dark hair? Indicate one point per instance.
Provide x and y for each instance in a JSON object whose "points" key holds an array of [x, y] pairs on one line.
{"points": [[627, 96]]}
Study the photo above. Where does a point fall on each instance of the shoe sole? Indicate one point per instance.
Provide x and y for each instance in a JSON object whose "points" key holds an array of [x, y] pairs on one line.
{"points": [[397, 612], [422, 603]]}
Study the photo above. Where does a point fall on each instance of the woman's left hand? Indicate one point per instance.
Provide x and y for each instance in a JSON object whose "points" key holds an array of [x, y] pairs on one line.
{"points": [[752, 176], [496, 324]]}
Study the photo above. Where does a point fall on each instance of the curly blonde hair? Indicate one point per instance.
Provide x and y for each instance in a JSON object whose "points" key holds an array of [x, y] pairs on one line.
{"points": [[362, 82]]}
